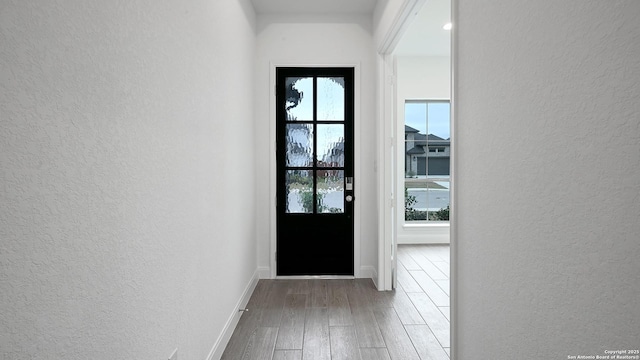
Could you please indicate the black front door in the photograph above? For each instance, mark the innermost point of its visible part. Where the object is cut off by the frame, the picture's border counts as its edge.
(314, 157)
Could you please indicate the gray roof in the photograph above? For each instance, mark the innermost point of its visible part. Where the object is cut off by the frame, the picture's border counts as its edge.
(421, 139)
(416, 150)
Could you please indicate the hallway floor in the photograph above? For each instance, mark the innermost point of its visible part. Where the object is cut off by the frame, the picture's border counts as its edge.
(350, 319)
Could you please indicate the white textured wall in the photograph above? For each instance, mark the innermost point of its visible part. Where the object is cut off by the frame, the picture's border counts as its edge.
(548, 178)
(422, 78)
(126, 213)
(318, 40)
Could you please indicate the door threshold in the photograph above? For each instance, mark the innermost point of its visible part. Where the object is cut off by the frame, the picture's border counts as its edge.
(316, 277)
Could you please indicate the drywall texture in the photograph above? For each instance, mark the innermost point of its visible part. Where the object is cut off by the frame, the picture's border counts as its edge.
(423, 78)
(548, 178)
(126, 212)
(316, 40)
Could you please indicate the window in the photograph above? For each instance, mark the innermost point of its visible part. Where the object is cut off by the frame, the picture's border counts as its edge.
(427, 158)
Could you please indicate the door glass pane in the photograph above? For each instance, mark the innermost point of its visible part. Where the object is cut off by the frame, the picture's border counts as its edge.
(330, 145)
(330, 191)
(299, 102)
(330, 98)
(299, 145)
(299, 191)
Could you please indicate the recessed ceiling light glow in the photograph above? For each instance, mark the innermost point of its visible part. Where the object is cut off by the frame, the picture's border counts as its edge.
(447, 26)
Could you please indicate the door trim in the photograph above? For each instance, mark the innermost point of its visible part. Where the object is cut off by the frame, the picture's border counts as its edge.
(357, 271)
(385, 243)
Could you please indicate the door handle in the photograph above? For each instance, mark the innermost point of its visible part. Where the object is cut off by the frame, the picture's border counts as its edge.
(349, 198)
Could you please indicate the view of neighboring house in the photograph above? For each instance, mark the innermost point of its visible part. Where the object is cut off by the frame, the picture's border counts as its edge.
(422, 151)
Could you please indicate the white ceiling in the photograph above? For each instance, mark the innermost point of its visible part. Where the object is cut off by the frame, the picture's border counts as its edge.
(314, 6)
(425, 35)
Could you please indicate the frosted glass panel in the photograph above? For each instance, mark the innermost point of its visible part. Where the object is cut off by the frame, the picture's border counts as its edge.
(330, 191)
(299, 189)
(299, 102)
(330, 145)
(299, 145)
(330, 98)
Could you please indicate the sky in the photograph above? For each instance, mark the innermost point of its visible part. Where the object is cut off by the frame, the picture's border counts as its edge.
(437, 113)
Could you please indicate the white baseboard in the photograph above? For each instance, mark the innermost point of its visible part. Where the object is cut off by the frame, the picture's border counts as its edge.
(234, 317)
(264, 272)
(421, 240)
(416, 234)
(367, 272)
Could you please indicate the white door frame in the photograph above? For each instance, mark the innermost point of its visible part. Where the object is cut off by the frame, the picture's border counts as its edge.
(385, 126)
(387, 244)
(386, 165)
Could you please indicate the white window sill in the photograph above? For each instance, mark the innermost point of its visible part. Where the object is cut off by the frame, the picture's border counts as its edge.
(426, 225)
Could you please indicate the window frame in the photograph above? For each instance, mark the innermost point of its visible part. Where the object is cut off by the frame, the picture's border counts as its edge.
(412, 225)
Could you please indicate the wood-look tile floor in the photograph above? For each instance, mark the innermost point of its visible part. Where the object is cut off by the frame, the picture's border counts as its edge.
(350, 319)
